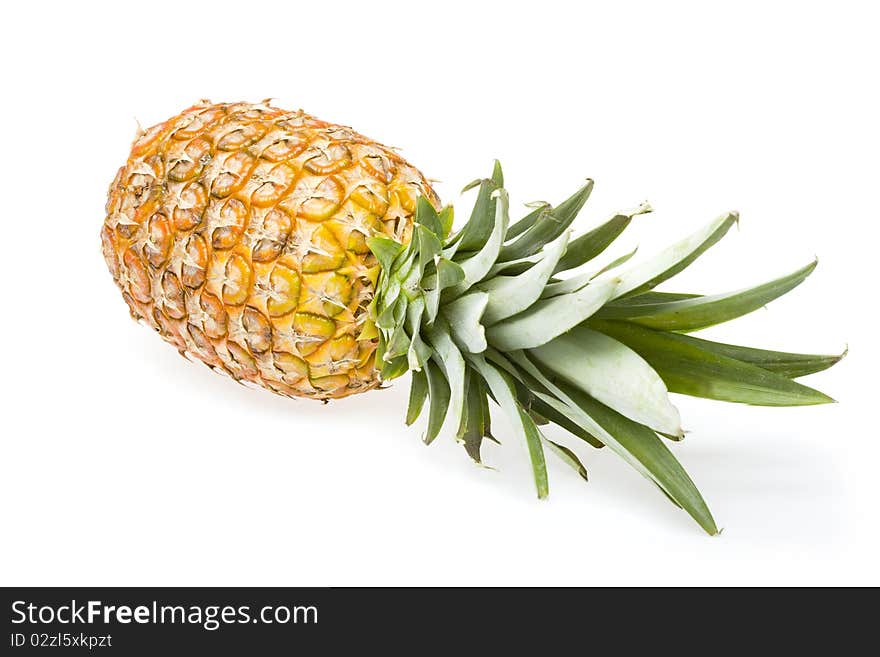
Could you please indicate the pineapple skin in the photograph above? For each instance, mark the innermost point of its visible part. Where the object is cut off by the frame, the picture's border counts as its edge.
(238, 232)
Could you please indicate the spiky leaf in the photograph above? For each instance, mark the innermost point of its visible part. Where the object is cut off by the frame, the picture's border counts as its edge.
(569, 458)
(675, 258)
(614, 374)
(418, 392)
(591, 244)
(438, 395)
(635, 443)
(688, 369)
(503, 391)
(550, 318)
(784, 363)
(464, 316)
(548, 226)
(478, 265)
(704, 311)
(510, 295)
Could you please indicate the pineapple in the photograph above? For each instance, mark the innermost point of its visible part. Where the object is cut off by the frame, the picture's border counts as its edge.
(305, 258)
(239, 233)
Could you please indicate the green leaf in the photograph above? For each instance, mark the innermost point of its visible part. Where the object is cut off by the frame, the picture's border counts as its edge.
(389, 295)
(552, 402)
(616, 263)
(418, 352)
(568, 457)
(549, 318)
(509, 295)
(575, 283)
(539, 419)
(447, 217)
(652, 296)
(484, 402)
(405, 260)
(548, 226)
(447, 355)
(503, 391)
(567, 211)
(536, 453)
(438, 397)
(426, 216)
(694, 314)
(398, 344)
(787, 364)
(473, 183)
(410, 285)
(418, 392)
(691, 370)
(385, 250)
(414, 313)
(647, 453)
(478, 265)
(567, 286)
(675, 258)
(468, 389)
(432, 303)
(612, 373)
(528, 221)
(526, 385)
(400, 310)
(591, 244)
(448, 274)
(565, 421)
(514, 267)
(633, 442)
(463, 316)
(497, 175)
(429, 247)
(394, 368)
(472, 429)
(479, 226)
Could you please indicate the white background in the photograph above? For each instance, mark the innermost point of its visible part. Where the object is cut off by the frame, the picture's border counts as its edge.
(122, 464)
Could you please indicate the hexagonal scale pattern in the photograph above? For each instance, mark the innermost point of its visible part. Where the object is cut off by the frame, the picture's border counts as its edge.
(238, 232)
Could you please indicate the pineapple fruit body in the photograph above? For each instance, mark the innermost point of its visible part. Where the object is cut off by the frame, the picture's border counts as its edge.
(239, 233)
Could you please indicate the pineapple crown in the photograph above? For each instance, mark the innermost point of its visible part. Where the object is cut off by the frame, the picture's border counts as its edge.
(484, 312)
